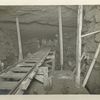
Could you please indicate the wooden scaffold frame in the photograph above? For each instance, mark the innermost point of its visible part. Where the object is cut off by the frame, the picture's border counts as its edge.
(79, 56)
(78, 50)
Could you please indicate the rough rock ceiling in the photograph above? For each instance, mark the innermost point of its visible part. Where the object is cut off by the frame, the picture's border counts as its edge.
(36, 20)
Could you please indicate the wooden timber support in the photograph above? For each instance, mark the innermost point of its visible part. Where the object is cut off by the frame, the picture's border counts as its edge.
(91, 66)
(60, 37)
(53, 62)
(19, 40)
(78, 44)
(92, 33)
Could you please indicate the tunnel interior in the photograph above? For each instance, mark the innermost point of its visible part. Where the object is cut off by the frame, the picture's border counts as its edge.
(39, 27)
(38, 23)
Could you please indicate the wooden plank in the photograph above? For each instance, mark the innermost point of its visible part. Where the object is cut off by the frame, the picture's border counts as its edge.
(91, 66)
(53, 63)
(21, 69)
(30, 76)
(11, 75)
(19, 40)
(31, 61)
(24, 85)
(26, 64)
(4, 85)
(40, 78)
(60, 37)
(41, 70)
(91, 33)
(42, 74)
(78, 44)
(45, 79)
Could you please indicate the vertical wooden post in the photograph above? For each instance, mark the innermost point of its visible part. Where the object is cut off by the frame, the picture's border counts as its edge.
(78, 44)
(19, 39)
(60, 37)
(53, 62)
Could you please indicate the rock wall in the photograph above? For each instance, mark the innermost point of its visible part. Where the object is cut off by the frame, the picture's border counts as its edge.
(7, 51)
(91, 24)
(41, 22)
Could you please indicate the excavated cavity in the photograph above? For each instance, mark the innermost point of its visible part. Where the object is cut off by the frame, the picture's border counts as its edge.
(40, 23)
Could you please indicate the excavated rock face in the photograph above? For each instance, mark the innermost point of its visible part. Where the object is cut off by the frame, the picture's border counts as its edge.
(41, 22)
(91, 24)
(7, 50)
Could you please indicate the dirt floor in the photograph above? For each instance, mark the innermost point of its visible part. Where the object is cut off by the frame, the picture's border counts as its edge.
(61, 83)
